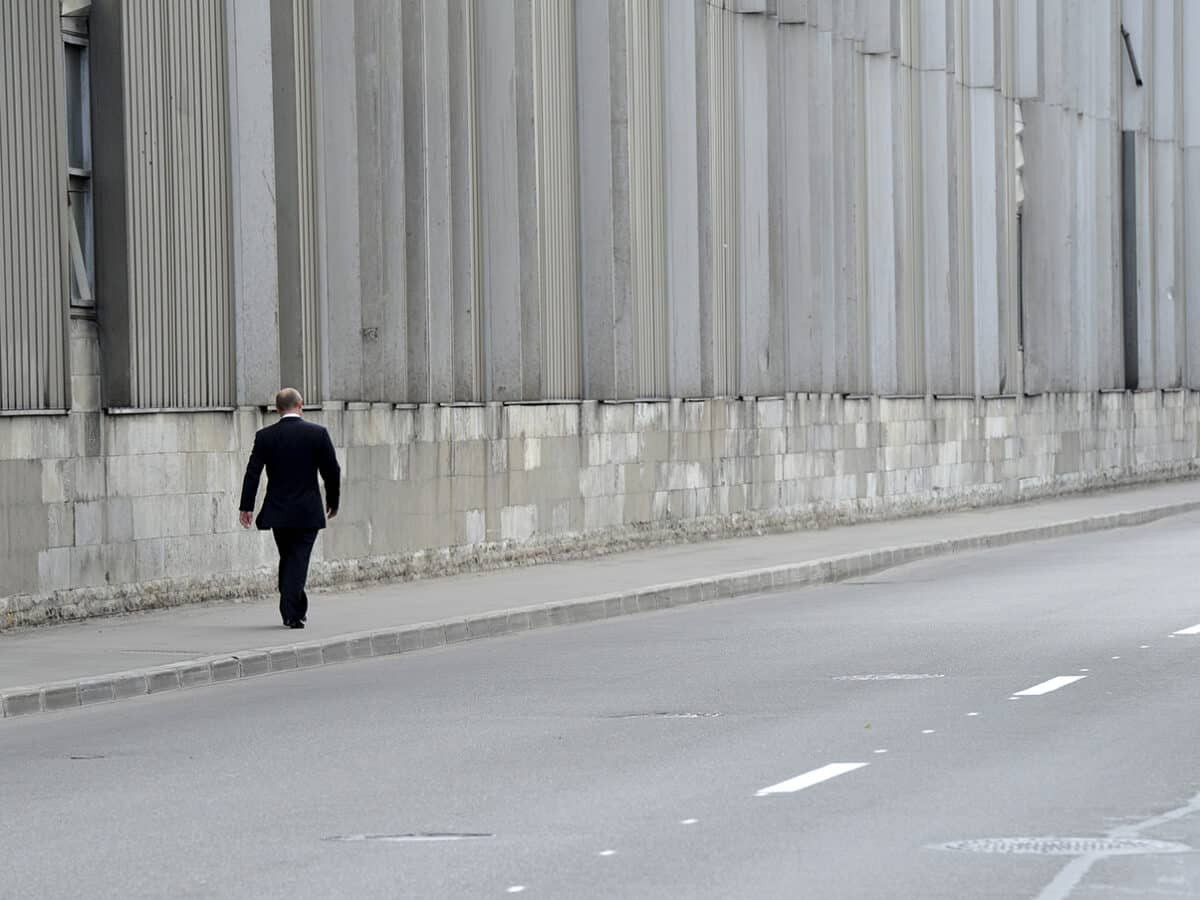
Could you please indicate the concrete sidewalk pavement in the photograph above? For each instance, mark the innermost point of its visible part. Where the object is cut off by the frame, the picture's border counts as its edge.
(102, 660)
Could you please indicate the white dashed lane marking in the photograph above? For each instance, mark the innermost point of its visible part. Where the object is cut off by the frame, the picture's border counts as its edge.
(808, 779)
(1047, 686)
(1195, 629)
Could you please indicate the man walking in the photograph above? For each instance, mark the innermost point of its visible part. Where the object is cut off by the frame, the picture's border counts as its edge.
(293, 451)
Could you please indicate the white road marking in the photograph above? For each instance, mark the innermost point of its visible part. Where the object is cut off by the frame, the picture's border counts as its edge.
(607, 853)
(1047, 686)
(1085, 670)
(1144, 647)
(972, 714)
(515, 889)
(688, 821)
(808, 779)
(1195, 629)
(928, 731)
(1064, 884)
(1116, 657)
(881, 751)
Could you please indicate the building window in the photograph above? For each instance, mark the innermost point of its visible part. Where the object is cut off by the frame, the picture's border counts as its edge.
(79, 163)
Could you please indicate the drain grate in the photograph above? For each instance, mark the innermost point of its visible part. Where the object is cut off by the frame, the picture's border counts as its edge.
(665, 715)
(890, 676)
(409, 837)
(1066, 846)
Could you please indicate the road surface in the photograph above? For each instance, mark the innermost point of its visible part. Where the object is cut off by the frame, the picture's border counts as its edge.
(1019, 723)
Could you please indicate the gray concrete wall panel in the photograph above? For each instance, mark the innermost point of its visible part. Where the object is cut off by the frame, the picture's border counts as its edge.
(533, 312)
(253, 180)
(938, 290)
(801, 286)
(1191, 190)
(724, 209)
(295, 193)
(176, 145)
(983, 241)
(597, 126)
(430, 252)
(499, 217)
(524, 199)
(647, 194)
(881, 235)
(33, 209)
(682, 185)
(383, 194)
(557, 196)
(849, 223)
(335, 51)
(464, 211)
(909, 248)
(752, 150)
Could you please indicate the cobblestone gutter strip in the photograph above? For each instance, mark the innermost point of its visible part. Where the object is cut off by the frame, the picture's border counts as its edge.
(402, 639)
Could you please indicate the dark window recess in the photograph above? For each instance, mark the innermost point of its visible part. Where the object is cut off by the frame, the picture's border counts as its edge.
(80, 235)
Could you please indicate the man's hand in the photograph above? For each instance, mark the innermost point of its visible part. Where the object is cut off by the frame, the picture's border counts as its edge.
(247, 518)
(330, 513)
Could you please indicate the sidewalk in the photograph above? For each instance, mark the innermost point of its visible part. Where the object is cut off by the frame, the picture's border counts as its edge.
(103, 660)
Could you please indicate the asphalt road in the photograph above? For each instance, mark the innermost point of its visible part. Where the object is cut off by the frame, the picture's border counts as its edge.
(742, 749)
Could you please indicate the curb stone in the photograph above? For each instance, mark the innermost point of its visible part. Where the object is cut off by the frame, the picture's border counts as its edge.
(93, 690)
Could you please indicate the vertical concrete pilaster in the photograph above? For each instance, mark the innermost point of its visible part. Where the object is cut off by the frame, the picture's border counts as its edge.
(606, 319)
(753, 204)
(252, 175)
(499, 216)
(1190, 87)
(383, 189)
(682, 184)
(428, 207)
(800, 189)
(464, 188)
(335, 50)
(880, 231)
(848, 221)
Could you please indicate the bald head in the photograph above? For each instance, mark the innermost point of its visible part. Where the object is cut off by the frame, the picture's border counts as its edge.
(288, 400)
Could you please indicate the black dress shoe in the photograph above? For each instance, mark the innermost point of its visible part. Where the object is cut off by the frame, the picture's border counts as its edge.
(295, 623)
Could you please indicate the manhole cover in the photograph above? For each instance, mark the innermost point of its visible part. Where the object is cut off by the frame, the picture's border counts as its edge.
(1067, 846)
(413, 837)
(889, 676)
(665, 715)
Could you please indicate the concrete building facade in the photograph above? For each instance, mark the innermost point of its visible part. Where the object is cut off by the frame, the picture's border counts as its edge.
(569, 275)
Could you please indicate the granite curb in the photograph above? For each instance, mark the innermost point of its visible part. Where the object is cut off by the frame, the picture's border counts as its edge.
(229, 667)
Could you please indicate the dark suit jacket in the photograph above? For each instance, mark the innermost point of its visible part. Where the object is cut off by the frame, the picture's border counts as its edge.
(293, 451)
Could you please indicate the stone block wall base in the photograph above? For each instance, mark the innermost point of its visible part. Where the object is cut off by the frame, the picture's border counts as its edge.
(148, 519)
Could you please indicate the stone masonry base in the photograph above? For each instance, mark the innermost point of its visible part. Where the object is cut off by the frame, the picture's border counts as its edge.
(106, 513)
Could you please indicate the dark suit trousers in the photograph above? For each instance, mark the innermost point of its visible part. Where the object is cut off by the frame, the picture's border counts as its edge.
(295, 547)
